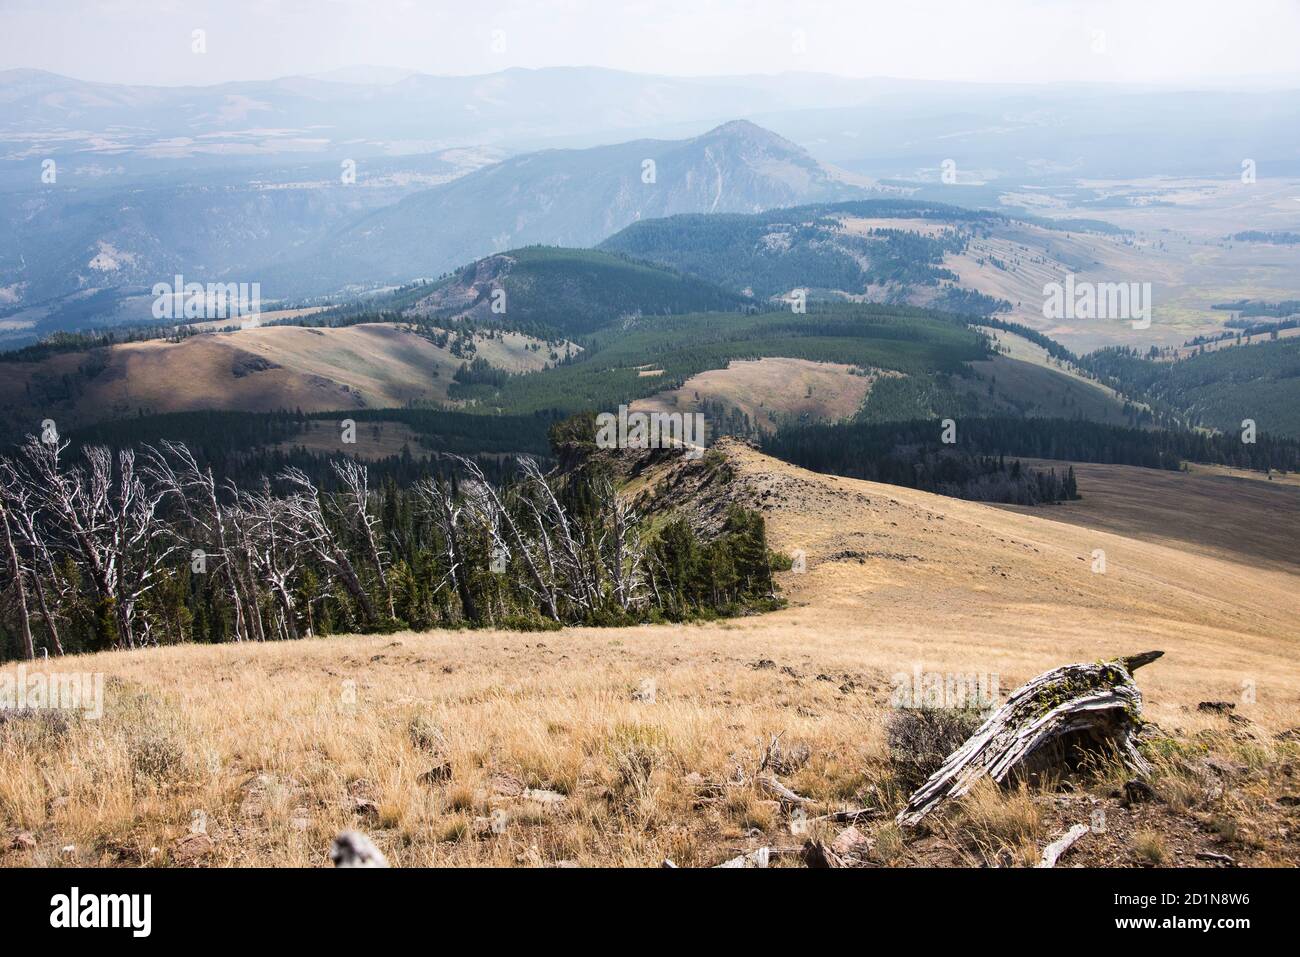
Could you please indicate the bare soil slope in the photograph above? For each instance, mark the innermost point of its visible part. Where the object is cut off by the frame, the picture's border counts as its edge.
(373, 365)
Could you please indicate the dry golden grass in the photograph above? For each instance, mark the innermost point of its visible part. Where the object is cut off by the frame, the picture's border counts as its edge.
(770, 391)
(553, 758)
(371, 365)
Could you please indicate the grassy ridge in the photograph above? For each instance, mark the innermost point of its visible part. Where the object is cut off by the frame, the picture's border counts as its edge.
(913, 341)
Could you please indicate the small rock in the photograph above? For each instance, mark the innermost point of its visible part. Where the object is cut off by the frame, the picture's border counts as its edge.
(23, 841)
(1216, 858)
(191, 848)
(507, 785)
(1216, 707)
(851, 843)
(438, 774)
(365, 808)
(1138, 791)
(763, 664)
(354, 849)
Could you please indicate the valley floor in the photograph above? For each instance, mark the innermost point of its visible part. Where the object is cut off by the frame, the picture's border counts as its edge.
(625, 746)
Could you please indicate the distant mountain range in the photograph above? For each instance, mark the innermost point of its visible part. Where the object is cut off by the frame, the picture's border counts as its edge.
(69, 256)
(571, 198)
(875, 126)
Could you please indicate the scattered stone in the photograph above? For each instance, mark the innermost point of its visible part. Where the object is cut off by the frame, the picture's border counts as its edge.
(364, 807)
(506, 785)
(758, 858)
(1137, 791)
(1214, 858)
(362, 788)
(354, 849)
(1289, 800)
(190, 848)
(763, 664)
(438, 774)
(544, 797)
(851, 843)
(1216, 707)
(23, 841)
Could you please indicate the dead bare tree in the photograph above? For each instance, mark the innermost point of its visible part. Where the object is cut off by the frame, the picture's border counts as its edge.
(271, 547)
(312, 531)
(438, 502)
(140, 543)
(25, 515)
(352, 508)
(505, 530)
(626, 551)
(569, 549)
(77, 501)
(195, 492)
(16, 575)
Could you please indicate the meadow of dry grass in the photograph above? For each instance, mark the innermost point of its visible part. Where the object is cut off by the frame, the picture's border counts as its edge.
(370, 365)
(771, 391)
(631, 745)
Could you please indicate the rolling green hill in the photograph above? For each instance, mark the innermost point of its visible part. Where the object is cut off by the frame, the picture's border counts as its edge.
(653, 354)
(845, 247)
(554, 292)
(1215, 389)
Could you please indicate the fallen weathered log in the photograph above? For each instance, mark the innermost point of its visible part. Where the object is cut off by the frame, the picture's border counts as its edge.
(1044, 725)
(781, 792)
(1053, 852)
(846, 817)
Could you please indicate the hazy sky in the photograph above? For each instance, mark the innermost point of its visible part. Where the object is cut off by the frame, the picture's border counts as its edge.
(1187, 42)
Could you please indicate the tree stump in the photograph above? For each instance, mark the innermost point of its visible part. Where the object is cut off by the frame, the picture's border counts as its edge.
(1045, 724)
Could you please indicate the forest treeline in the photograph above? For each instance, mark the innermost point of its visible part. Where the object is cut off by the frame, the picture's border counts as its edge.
(981, 464)
(1217, 389)
(914, 455)
(146, 546)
